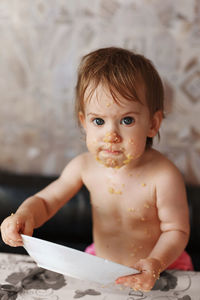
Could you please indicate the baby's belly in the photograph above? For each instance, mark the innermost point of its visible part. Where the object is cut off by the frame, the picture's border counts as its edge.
(125, 243)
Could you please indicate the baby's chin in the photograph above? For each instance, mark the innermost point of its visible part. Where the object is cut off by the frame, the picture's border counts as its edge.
(112, 162)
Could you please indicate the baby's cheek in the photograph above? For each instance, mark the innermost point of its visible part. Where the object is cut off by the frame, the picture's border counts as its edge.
(136, 148)
(91, 143)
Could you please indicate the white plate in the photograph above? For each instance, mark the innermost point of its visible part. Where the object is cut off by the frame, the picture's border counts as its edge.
(72, 262)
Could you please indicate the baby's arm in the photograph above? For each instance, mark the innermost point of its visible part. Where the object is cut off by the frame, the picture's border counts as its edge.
(36, 210)
(174, 224)
(173, 214)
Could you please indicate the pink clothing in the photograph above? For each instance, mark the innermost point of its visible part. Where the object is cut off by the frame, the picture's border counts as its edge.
(183, 262)
(90, 249)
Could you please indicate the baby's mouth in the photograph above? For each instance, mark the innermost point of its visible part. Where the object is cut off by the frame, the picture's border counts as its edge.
(111, 151)
(113, 158)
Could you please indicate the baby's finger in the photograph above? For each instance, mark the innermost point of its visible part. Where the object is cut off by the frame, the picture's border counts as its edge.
(14, 243)
(128, 280)
(136, 283)
(10, 241)
(28, 229)
(10, 231)
(13, 230)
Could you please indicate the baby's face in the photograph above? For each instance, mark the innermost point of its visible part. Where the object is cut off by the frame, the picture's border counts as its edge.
(115, 132)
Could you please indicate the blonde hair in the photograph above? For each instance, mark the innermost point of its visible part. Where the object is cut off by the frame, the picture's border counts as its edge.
(122, 71)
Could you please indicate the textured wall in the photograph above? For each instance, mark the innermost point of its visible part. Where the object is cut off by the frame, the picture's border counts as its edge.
(41, 43)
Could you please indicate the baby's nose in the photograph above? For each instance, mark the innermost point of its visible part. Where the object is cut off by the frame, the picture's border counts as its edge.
(112, 137)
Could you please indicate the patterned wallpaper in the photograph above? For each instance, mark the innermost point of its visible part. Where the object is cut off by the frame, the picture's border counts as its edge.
(41, 43)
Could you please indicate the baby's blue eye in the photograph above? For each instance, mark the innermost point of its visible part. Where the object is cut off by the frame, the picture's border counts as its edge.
(127, 121)
(98, 121)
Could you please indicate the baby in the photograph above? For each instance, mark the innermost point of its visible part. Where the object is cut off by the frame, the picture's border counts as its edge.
(138, 198)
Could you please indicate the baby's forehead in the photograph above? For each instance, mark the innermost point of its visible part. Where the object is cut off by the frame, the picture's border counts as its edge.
(107, 106)
(103, 93)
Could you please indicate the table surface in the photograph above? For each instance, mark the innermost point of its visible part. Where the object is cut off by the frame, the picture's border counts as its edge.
(180, 285)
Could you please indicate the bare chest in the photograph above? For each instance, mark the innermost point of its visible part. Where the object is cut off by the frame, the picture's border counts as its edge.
(122, 199)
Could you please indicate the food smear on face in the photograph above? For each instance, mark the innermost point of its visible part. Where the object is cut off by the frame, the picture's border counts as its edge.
(99, 160)
(128, 160)
(109, 162)
(113, 159)
(106, 138)
(111, 137)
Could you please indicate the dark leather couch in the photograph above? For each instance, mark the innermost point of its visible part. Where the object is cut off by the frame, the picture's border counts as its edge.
(72, 225)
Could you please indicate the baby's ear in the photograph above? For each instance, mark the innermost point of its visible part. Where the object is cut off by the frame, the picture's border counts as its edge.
(155, 123)
(82, 118)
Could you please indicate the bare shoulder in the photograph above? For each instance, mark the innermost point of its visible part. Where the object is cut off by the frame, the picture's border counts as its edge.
(87, 157)
(165, 168)
(77, 164)
(85, 160)
(168, 180)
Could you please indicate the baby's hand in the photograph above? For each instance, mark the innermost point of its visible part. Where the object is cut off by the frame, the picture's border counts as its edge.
(13, 226)
(150, 269)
